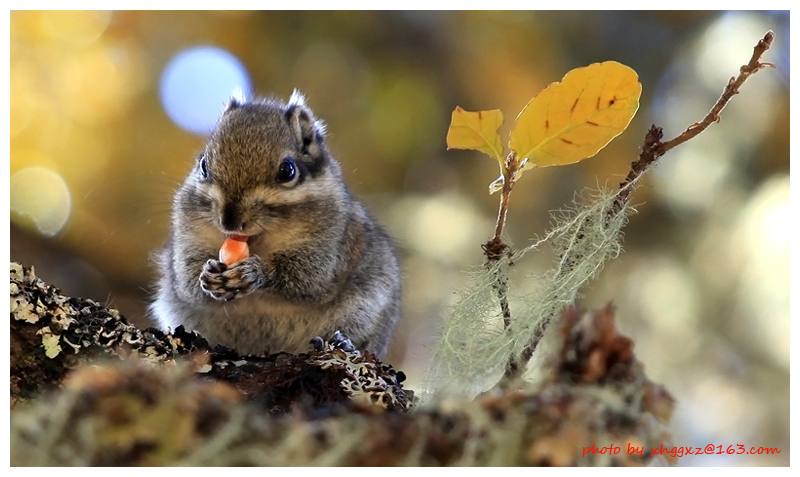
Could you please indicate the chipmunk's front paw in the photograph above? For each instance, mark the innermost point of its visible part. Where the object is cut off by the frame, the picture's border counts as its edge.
(337, 341)
(225, 283)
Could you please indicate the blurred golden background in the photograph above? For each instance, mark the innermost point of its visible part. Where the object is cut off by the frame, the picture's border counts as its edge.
(703, 284)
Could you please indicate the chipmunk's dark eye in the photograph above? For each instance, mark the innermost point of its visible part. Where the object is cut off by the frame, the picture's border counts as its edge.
(287, 171)
(203, 166)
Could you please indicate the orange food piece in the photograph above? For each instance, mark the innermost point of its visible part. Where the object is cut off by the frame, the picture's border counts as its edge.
(234, 250)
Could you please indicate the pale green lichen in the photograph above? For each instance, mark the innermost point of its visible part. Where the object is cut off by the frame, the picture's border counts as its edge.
(50, 342)
(474, 347)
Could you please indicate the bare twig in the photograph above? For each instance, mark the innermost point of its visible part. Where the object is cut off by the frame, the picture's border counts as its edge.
(495, 248)
(654, 148)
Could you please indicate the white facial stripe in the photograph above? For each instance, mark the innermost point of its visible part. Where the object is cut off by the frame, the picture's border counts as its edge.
(309, 189)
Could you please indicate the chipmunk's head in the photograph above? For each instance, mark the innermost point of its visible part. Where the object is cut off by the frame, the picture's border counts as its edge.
(265, 168)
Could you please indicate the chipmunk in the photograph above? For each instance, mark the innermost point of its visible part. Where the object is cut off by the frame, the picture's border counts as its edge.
(319, 262)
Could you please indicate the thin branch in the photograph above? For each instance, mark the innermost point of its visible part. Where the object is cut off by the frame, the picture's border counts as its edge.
(495, 249)
(654, 148)
(728, 93)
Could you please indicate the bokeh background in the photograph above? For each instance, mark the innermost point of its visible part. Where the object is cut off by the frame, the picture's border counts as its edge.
(108, 110)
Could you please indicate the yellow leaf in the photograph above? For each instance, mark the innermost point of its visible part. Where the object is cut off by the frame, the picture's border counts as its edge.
(572, 120)
(476, 130)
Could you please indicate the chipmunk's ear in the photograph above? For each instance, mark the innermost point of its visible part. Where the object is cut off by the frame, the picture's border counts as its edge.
(233, 103)
(308, 130)
(237, 99)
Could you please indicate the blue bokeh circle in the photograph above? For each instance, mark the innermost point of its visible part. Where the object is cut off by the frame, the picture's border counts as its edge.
(197, 83)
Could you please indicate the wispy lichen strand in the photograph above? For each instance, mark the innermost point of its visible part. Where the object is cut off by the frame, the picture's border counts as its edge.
(474, 347)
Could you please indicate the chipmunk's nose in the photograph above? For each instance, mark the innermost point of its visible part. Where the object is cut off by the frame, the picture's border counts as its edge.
(232, 219)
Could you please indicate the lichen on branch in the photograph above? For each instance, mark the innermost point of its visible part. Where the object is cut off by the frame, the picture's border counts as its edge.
(52, 334)
(482, 338)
